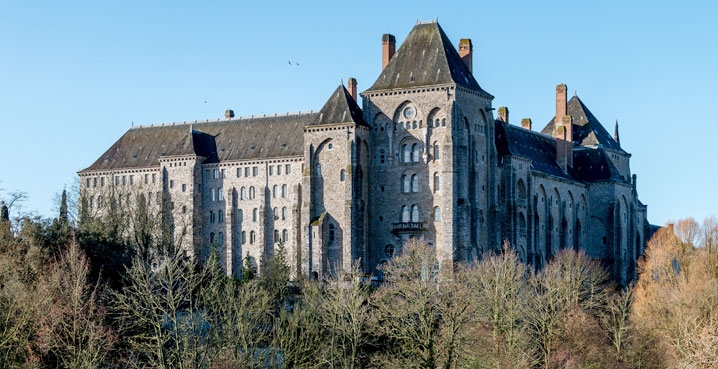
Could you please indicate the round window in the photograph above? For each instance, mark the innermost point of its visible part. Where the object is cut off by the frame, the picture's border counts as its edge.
(409, 112)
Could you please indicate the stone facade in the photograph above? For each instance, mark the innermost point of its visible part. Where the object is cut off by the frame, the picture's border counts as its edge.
(423, 156)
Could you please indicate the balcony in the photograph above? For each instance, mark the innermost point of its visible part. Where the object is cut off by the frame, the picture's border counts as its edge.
(407, 227)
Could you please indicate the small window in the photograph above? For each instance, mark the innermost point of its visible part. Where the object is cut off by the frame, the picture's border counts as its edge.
(285, 235)
(342, 175)
(184, 187)
(239, 172)
(414, 213)
(255, 171)
(246, 172)
(154, 177)
(330, 146)
(271, 170)
(102, 181)
(414, 183)
(252, 237)
(147, 178)
(220, 216)
(132, 179)
(405, 215)
(221, 239)
(172, 183)
(415, 153)
(279, 170)
(124, 180)
(276, 213)
(240, 215)
(244, 237)
(406, 151)
(251, 192)
(215, 172)
(437, 214)
(211, 217)
(284, 213)
(275, 191)
(436, 152)
(284, 190)
(223, 174)
(220, 194)
(255, 214)
(405, 183)
(288, 169)
(243, 193)
(276, 235)
(213, 194)
(184, 209)
(436, 182)
(88, 183)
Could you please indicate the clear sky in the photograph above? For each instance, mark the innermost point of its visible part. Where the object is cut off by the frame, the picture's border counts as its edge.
(75, 75)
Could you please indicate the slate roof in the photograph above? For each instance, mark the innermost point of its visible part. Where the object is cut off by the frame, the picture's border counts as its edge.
(340, 108)
(234, 139)
(226, 140)
(592, 165)
(587, 130)
(539, 148)
(426, 57)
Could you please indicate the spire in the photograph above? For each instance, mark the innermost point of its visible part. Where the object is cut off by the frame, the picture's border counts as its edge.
(615, 135)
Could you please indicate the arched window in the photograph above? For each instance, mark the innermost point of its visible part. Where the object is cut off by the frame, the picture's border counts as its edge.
(251, 193)
(255, 214)
(276, 235)
(285, 235)
(331, 233)
(436, 151)
(284, 212)
(415, 153)
(405, 184)
(521, 189)
(243, 193)
(437, 214)
(406, 153)
(414, 183)
(414, 213)
(240, 215)
(99, 201)
(342, 175)
(213, 194)
(319, 170)
(276, 213)
(284, 190)
(436, 182)
(211, 238)
(220, 194)
(405, 215)
(220, 216)
(211, 216)
(221, 239)
(275, 191)
(244, 237)
(252, 237)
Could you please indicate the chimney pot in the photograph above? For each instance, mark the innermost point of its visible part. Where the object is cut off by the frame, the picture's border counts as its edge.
(229, 113)
(466, 51)
(526, 123)
(388, 48)
(352, 87)
(504, 114)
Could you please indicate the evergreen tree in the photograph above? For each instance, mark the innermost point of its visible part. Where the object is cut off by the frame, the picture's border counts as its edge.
(63, 208)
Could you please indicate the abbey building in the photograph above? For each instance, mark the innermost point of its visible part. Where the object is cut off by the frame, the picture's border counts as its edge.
(421, 153)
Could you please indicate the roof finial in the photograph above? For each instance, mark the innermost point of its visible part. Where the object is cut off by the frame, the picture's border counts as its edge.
(342, 81)
(574, 93)
(417, 20)
(615, 135)
(436, 19)
(133, 123)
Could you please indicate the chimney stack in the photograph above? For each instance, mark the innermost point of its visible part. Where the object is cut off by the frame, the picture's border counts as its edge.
(526, 123)
(229, 114)
(504, 114)
(564, 143)
(388, 48)
(352, 87)
(465, 52)
(560, 103)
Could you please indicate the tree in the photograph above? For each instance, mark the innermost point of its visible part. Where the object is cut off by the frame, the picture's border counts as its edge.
(63, 208)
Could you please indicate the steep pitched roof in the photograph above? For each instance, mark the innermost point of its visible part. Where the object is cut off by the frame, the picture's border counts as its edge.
(587, 130)
(539, 148)
(235, 139)
(426, 57)
(592, 165)
(340, 108)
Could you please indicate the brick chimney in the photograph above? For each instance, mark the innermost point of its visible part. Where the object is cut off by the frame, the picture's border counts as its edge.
(526, 123)
(564, 144)
(560, 103)
(229, 114)
(388, 48)
(352, 87)
(465, 52)
(504, 114)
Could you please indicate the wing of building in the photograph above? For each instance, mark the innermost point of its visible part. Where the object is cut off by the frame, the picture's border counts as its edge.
(422, 157)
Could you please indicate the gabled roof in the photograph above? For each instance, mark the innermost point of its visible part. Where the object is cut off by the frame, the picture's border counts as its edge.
(340, 108)
(593, 165)
(426, 57)
(234, 139)
(587, 130)
(539, 148)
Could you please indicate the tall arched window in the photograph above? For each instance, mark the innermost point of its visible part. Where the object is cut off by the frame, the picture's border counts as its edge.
(414, 213)
(342, 175)
(275, 191)
(284, 190)
(405, 215)
(414, 183)
(415, 153)
(405, 184)
(211, 216)
(406, 153)
(436, 151)
(243, 193)
(436, 182)
(252, 237)
(255, 214)
(221, 239)
(276, 235)
(240, 215)
(276, 213)
(244, 237)
(213, 194)
(285, 235)
(220, 216)
(251, 193)
(284, 212)
(437, 214)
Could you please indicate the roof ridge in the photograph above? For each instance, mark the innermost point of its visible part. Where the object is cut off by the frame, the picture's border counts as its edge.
(206, 121)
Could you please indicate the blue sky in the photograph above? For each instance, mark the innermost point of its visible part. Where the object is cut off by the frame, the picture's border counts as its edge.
(75, 75)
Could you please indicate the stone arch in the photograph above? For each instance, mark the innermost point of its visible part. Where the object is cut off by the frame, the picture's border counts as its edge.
(381, 122)
(399, 117)
(410, 149)
(435, 116)
(521, 189)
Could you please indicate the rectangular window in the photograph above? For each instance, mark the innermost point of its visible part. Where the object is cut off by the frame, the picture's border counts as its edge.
(154, 177)
(216, 173)
(279, 170)
(147, 178)
(246, 172)
(288, 169)
(124, 180)
(117, 180)
(184, 187)
(94, 182)
(271, 170)
(102, 181)
(88, 183)
(172, 183)
(206, 174)
(239, 172)
(132, 179)
(223, 174)
(255, 171)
